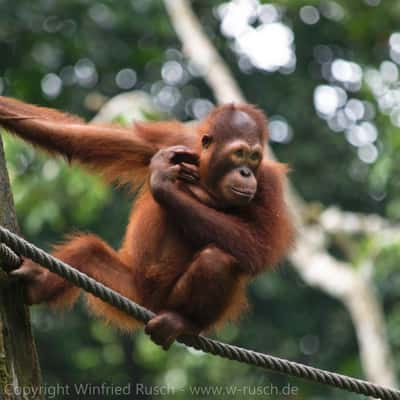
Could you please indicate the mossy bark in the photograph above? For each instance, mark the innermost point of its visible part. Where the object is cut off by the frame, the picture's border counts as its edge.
(19, 368)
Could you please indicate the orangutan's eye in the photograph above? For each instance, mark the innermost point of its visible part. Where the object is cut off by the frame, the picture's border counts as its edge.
(239, 153)
(255, 156)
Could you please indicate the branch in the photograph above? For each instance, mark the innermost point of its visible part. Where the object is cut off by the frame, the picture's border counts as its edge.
(334, 220)
(129, 105)
(202, 53)
(310, 258)
(340, 280)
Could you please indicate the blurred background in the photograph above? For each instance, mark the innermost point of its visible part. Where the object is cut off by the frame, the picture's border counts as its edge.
(326, 73)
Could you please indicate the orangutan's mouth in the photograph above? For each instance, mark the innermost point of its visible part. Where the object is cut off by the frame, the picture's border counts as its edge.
(242, 192)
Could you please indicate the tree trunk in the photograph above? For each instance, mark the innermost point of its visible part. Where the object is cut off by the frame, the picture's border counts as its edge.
(19, 368)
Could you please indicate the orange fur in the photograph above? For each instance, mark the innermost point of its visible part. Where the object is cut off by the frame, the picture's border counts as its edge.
(179, 254)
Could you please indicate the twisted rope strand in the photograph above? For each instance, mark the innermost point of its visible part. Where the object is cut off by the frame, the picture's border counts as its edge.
(275, 364)
(8, 259)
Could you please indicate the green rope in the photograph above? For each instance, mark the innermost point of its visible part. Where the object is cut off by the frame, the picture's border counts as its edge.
(26, 249)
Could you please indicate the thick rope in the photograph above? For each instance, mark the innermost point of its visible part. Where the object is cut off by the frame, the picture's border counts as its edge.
(26, 249)
(8, 259)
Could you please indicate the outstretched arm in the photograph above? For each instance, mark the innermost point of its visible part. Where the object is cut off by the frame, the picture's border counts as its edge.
(117, 152)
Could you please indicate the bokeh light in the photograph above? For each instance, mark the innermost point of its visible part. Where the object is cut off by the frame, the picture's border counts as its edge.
(86, 73)
(347, 72)
(47, 55)
(368, 153)
(309, 15)
(394, 45)
(389, 71)
(172, 72)
(201, 107)
(258, 35)
(361, 134)
(279, 130)
(102, 15)
(126, 78)
(332, 10)
(51, 85)
(327, 99)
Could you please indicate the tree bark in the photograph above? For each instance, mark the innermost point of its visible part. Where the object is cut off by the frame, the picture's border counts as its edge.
(20, 376)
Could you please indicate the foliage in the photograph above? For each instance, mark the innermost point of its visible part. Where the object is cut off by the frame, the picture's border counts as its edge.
(74, 54)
